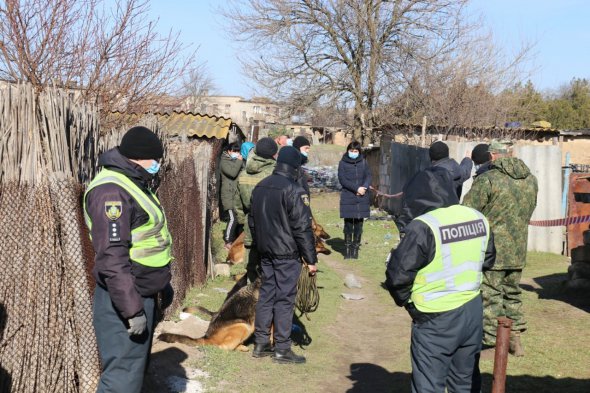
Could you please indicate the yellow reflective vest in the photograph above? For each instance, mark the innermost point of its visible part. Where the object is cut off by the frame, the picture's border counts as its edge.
(151, 243)
(454, 276)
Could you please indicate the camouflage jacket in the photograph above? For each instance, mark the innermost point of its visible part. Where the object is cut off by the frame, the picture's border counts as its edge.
(257, 168)
(507, 195)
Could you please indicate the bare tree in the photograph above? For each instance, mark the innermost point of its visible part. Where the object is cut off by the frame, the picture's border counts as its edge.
(196, 85)
(110, 53)
(348, 49)
(462, 88)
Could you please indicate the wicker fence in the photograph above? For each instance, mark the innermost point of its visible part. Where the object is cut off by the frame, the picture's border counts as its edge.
(49, 148)
(47, 343)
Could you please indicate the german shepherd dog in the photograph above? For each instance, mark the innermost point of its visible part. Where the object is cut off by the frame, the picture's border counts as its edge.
(237, 251)
(231, 326)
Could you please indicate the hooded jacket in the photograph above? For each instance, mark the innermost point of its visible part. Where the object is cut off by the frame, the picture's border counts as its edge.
(257, 168)
(429, 190)
(459, 172)
(230, 169)
(125, 280)
(353, 174)
(280, 220)
(507, 195)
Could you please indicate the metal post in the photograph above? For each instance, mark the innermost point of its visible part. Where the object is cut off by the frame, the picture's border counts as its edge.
(423, 141)
(566, 183)
(501, 355)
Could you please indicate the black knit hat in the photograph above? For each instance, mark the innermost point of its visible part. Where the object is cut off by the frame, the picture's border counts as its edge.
(266, 147)
(438, 150)
(481, 154)
(290, 156)
(300, 141)
(140, 143)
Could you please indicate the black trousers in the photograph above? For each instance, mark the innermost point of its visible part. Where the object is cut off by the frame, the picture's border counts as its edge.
(124, 357)
(354, 226)
(445, 351)
(276, 301)
(231, 230)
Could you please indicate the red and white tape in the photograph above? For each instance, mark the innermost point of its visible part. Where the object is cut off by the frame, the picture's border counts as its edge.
(560, 221)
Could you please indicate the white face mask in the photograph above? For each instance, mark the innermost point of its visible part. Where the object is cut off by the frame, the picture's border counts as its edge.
(289, 142)
(353, 156)
(233, 155)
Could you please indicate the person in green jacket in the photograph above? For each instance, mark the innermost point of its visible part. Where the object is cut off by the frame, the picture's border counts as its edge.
(231, 165)
(260, 164)
(507, 195)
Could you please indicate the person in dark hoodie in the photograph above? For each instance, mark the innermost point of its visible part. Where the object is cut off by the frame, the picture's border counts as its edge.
(355, 177)
(435, 273)
(439, 156)
(132, 248)
(280, 223)
(507, 195)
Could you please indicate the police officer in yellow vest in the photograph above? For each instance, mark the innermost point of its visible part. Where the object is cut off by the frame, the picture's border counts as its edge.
(435, 273)
(132, 248)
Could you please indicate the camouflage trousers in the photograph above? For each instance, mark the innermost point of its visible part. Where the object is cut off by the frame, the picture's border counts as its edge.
(501, 298)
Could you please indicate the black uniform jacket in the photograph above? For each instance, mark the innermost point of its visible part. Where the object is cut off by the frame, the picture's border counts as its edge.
(125, 280)
(280, 218)
(431, 189)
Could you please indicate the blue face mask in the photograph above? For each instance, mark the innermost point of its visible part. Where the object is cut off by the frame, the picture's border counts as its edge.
(304, 153)
(234, 156)
(289, 142)
(353, 156)
(154, 168)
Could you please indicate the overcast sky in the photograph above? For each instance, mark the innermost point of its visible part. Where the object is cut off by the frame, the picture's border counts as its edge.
(559, 28)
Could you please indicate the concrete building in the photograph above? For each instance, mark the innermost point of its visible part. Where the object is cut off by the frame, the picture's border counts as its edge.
(245, 113)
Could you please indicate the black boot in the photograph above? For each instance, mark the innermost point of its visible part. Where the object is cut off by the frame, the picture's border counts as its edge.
(262, 350)
(356, 244)
(348, 244)
(287, 356)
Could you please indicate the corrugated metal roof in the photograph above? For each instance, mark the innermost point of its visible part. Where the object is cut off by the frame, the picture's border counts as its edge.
(189, 124)
(487, 128)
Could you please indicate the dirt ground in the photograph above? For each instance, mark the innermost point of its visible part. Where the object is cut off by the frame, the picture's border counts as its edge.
(363, 345)
(357, 362)
(367, 335)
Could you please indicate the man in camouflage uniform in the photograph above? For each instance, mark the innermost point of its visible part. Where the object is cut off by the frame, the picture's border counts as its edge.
(260, 164)
(507, 195)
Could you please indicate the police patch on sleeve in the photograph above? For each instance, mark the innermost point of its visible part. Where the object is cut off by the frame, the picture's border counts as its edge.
(305, 199)
(114, 232)
(113, 209)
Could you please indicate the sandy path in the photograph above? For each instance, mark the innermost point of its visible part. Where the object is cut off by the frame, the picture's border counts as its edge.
(372, 338)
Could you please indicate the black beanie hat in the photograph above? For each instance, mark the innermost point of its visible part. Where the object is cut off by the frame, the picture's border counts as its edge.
(438, 150)
(480, 154)
(140, 143)
(290, 156)
(300, 141)
(266, 147)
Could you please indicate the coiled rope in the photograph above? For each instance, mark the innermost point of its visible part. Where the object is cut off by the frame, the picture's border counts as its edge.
(308, 296)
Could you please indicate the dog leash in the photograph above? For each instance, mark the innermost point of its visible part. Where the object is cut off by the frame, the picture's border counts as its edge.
(308, 296)
(384, 195)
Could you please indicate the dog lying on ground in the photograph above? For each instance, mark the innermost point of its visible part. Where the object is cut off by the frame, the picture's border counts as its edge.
(231, 326)
(237, 251)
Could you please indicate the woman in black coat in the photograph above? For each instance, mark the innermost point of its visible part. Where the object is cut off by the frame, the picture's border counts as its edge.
(355, 177)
